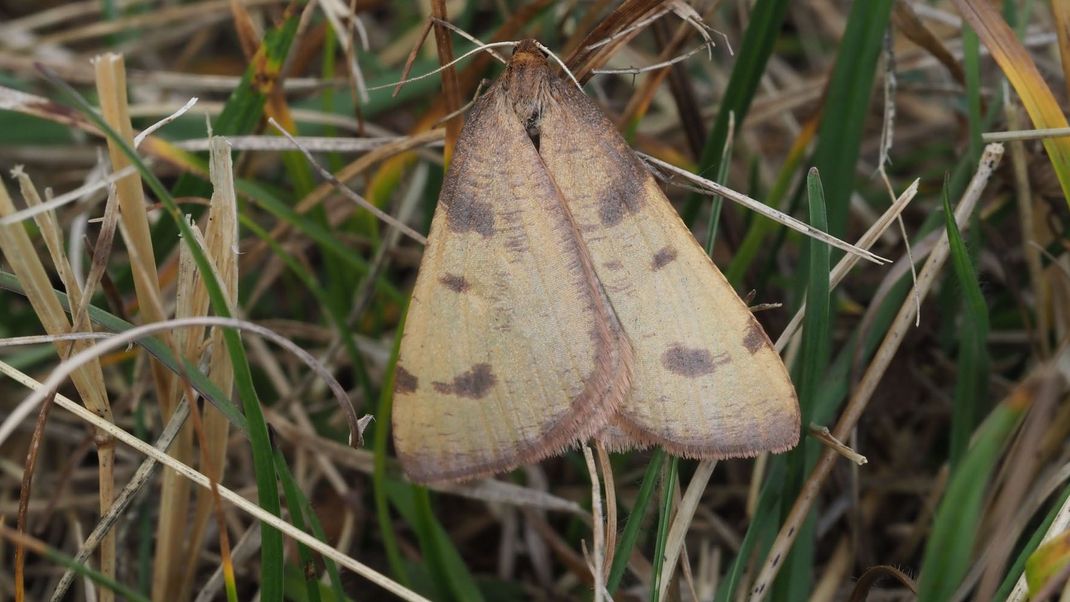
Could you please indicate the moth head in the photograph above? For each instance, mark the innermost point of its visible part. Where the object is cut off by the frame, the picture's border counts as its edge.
(525, 86)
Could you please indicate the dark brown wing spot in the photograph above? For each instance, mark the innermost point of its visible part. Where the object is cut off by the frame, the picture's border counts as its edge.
(464, 214)
(663, 258)
(617, 202)
(614, 265)
(691, 363)
(475, 383)
(455, 283)
(404, 381)
(755, 339)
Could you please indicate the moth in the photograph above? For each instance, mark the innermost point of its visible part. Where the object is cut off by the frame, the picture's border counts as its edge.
(561, 298)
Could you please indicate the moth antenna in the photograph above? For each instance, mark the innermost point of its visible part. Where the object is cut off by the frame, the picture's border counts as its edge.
(638, 70)
(330, 177)
(634, 26)
(475, 97)
(557, 60)
(464, 34)
(483, 48)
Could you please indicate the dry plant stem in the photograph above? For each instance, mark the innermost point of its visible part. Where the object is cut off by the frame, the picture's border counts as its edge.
(118, 341)
(822, 434)
(347, 173)
(883, 357)
(111, 87)
(598, 564)
(316, 144)
(25, 486)
(451, 90)
(1020, 593)
(1018, 472)
(59, 375)
(141, 477)
(330, 177)
(697, 485)
(464, 34)
(88, 380)
(844, 265)
(407, 68)
(681, 522)
(221, 243)
(67, 197)
(1024, 197)
(711, 187)
(611, 505)
(248, 544)
(1022, 135)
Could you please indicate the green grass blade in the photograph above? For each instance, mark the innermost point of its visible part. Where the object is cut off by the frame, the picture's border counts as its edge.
(795, 578)
(949, 549)
(297, 519)
(442, 558)
(381, 435)
(846, 109)
(630, 534)
(763, 29)
(664, 520)
(970, 388)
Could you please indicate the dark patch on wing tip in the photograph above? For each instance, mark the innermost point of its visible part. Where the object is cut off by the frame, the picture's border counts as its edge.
(614, 265)
(468, 215)
(691, 363)
(455, 283)
(404, 381)
(663, 257)
(474, 384)
(754, 339)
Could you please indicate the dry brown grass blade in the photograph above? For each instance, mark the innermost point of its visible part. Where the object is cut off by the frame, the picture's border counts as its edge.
(873, 374)
(1023, 461)
(908, 23)
(450, 85)
(584, 59)
(110, 71)
(640, 101)
(358, 166)
(221, 244)
(248, 34)
(233, 497)
(162, 17)
(142, 476)
(1060, 14)
(88, 379)
(1015, 62)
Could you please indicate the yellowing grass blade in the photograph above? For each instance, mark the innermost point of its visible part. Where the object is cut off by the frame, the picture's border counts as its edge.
(1019, 68)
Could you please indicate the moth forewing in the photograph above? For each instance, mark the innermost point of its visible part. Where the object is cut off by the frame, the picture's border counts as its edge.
(510, 352)
(708, 382)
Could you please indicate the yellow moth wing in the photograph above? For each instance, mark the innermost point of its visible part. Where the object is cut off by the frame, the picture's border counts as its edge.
(707, 382)
(510, 352)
